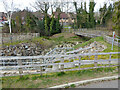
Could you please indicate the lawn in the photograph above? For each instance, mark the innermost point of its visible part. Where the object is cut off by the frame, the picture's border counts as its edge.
(52, 79)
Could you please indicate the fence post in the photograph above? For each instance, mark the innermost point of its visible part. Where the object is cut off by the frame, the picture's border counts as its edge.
(41, 61)
(20, 69)
(95, 62)
(62, 65)
(109, 60)
(79, 62)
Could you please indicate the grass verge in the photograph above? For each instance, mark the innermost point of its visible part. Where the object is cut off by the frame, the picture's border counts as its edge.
(53, 79)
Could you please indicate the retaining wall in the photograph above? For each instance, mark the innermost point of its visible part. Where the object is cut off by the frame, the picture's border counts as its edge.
(6, 37)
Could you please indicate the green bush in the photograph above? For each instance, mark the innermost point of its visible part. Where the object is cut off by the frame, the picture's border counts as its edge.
(34, 78)
(60, 73)
(72, 86)
(23, 78)
(67, 86)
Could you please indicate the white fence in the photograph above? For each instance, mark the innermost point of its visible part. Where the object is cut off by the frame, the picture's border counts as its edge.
(110, 39)
(22, 65)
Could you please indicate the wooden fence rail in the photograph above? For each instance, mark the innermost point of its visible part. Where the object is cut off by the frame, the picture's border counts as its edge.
(22, 65)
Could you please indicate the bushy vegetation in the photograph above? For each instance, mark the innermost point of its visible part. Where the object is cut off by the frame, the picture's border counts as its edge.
(91, 19)
(53, 28)
(31, 24)
(116, 17)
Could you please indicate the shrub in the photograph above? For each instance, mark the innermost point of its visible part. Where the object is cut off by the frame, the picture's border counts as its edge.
(67, 86)
(72, 85)
(23, 78)
(60, 73)
(34, 78)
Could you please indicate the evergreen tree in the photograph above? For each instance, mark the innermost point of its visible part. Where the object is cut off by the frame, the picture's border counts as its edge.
(30, 23)
(77, 16)
(58, 24)
(106, 14)
(116, 17)
(91, 14)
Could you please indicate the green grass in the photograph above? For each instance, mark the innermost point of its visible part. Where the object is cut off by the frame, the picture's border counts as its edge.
(61, 38)
(101, 40)
(88, 42)
(41, 40)
(52, 79)
(51, 41)
(0, 28)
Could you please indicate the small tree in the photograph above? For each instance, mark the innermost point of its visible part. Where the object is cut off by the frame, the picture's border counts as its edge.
(9, 9)
(52, 22)
(91, 14)
(44, 6)
(30, 22)
(116, 17)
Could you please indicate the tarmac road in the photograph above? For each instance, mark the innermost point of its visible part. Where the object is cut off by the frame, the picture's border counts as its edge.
(103, 84)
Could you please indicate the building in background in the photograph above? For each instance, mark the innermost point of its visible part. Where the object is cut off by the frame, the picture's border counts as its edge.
(65, 18)
(3, 18)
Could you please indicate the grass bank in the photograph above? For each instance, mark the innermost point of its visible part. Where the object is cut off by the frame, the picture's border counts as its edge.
(53, 40)
(101, 40)
(52, 79)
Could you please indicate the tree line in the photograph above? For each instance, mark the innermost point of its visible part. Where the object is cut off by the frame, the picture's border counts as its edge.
(46, 27)
(108, 16)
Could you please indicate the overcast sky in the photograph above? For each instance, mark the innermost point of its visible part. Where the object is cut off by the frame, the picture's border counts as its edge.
(21, 4)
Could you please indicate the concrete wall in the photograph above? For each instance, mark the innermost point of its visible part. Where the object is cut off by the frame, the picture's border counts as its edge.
(6, 37)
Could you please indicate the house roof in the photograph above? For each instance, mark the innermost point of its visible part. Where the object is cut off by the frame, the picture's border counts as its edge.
(62, 15)
(71, 15)
(39, 15)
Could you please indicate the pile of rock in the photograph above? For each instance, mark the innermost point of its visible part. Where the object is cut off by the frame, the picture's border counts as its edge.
(30, 49)
(68, 44)
(23, 49)
(94, 47)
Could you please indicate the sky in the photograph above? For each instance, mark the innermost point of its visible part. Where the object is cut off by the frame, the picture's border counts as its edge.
(21, 4)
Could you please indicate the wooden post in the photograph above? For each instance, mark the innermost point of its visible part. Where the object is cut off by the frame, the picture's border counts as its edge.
(109, 60)
(62, 65)
(41, 61)
(89, 57)
(79, 62)
(20, 69)
(96, 56)
(95, 63)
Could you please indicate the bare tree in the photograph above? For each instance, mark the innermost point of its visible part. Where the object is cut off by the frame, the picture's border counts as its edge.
(9, 9)
(43, 6)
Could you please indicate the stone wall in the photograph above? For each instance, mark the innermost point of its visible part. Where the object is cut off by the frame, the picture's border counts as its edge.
(6, 37)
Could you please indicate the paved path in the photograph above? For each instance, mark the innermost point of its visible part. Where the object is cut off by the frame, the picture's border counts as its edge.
(103, 84)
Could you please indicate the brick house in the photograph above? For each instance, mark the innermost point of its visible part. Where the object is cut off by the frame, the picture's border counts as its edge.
(65, 18)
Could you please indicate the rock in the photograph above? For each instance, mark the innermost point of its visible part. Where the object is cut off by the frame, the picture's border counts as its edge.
(69, 65)
(55, 67)
(26, 47)
(48, 69)
(19, 54)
